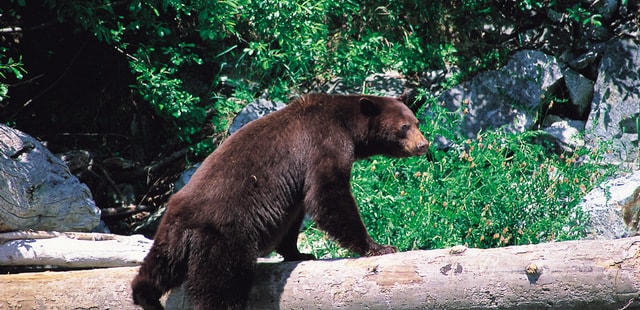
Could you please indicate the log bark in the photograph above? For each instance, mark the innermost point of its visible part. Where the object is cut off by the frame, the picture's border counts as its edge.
(71, 249)
(593, 274)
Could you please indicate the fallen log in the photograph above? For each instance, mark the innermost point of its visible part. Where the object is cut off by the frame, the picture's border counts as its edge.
(71, 249)
(593, 274)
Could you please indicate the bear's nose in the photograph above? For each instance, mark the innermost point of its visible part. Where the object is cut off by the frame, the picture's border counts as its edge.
(422, 146)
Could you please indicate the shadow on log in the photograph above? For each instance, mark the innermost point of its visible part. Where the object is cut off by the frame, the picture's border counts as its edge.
(593, 274)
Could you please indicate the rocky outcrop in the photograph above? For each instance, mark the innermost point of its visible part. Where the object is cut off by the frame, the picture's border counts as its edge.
(520, 97)
(580, 91)
(527, 93)
(581, 86)
(615, 109)
(37, 191)
(566, 132)
(508, 98)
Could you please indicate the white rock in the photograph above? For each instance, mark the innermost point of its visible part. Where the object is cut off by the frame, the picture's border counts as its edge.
(605, 205)
(566, 131)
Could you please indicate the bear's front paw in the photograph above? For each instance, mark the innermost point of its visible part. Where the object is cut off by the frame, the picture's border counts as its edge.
(381, 250)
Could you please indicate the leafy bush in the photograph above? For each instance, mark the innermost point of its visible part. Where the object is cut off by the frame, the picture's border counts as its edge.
(496, 190)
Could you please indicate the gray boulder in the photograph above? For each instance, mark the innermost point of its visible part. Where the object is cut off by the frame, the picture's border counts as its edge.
(580, 91)
(253, 111)
(185, 177)
(37, 191)
(584, 60)
(613, 208)
(566, 132)
(510, 96)
(615, 107)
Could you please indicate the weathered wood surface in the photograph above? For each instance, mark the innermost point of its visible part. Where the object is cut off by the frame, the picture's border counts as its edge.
(37, 190)
(594, 274)
(71, 249)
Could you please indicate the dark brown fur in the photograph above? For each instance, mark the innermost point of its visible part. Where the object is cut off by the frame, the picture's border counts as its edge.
(249, 197)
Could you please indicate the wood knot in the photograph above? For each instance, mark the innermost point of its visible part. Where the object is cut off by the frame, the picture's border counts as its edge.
(532, 269)
(458, 249)
(533, 272)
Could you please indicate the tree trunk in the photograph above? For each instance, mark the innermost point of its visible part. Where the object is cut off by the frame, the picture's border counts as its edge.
(594, 274)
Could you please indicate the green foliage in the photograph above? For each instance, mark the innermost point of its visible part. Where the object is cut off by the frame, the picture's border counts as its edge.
(165, 41)
(584, 16)
(279, 45)
(285, 38)
(495, 190)
(158, 84)
(9, 68)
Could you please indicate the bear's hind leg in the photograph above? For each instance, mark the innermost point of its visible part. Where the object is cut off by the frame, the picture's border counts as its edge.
(156, 276)
(162, 269)
(146, 294)
(220, 272)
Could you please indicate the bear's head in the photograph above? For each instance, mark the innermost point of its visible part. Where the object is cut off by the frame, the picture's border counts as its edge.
(392, 128)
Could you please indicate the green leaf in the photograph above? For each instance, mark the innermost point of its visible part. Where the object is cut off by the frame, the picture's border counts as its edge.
(4, 90)
(16, 72)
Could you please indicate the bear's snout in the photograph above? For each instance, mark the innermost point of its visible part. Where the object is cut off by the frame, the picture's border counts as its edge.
(416, 145)
(422, 147)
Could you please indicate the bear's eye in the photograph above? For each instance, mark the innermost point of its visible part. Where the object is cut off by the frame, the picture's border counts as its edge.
(405, 127)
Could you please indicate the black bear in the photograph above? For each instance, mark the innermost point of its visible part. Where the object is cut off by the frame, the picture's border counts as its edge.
(250, 196)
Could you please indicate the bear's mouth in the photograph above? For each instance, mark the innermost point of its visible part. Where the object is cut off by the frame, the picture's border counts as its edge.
(409, 151)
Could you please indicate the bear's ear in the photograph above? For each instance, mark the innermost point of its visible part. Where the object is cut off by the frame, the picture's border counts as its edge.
(368, 107)
(404, 96)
